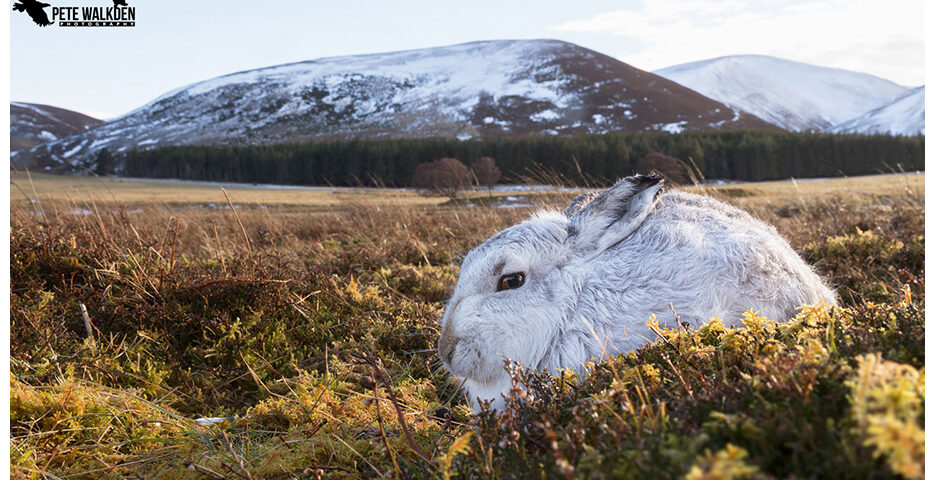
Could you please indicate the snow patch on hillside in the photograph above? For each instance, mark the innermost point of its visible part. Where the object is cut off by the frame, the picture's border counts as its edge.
(792, 95)
(467, 91)
(904, 116)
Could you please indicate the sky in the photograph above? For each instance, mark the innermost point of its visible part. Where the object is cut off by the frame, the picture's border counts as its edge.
(106, 72)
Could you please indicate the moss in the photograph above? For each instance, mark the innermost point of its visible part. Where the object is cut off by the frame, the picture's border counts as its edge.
(865, 262)
(886, 403)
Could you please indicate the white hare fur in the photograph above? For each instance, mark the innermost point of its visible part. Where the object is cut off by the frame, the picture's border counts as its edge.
(594, 275)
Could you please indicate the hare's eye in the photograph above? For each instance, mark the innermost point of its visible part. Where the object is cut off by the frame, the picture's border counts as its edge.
(511, 281)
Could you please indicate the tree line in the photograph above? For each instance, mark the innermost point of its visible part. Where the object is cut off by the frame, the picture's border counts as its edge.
(590, 159)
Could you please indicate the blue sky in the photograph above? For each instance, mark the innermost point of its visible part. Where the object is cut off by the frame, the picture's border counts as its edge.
(109, 71)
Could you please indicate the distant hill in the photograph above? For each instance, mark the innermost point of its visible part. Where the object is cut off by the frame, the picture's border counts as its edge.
(795, 96)
(903, 116)
(32, 124)
(473, 90)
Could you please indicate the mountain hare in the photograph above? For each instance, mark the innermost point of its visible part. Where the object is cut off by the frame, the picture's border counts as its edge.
(564, 287)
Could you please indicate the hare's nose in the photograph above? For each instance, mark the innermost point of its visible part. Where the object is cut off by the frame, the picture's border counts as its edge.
(446, 344)
(446, 349)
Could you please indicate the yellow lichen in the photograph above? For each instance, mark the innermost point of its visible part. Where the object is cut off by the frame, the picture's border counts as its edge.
(728, 463)
(887, 401)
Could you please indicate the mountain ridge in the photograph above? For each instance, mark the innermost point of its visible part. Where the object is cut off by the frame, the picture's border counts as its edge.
(34, 123)
(793, 95)
(903, 116)
(475, 90)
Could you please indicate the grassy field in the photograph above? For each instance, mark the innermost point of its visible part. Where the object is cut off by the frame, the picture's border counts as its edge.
(308, 318)
(149, 192)
(142, 193)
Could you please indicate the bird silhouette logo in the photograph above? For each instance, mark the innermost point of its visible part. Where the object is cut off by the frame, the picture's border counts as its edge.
(35, 10)
(120, 3)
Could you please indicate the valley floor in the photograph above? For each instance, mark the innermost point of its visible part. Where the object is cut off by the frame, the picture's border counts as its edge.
(140, 192)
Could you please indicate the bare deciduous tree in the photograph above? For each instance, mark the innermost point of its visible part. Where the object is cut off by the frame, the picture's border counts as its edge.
(447, 176)
(486, 172)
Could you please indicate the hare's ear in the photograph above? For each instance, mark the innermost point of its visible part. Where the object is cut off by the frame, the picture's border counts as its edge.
(613, 215)
(578, 203)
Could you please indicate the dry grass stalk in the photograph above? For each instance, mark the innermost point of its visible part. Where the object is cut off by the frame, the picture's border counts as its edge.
(246, 238)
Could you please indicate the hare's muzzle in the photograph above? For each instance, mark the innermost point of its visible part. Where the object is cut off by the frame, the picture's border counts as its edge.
(447, 343)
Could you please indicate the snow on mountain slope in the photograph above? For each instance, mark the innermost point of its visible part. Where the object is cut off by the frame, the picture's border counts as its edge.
(478, 89)
(32, 124)
(904, 116)
(792, 95)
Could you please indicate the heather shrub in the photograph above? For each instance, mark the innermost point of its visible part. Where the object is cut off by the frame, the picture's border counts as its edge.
(312, 334)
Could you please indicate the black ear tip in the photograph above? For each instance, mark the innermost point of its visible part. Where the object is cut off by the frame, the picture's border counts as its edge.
(645, 181)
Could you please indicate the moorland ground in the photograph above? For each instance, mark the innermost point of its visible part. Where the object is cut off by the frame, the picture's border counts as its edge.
(308, 318)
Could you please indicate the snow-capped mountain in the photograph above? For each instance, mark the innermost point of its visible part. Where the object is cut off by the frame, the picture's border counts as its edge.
(795, 96)
(904, 116)
(471, 90)
(32, 124)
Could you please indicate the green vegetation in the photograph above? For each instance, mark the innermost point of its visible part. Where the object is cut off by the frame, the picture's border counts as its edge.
(315, 332)
(742, 155)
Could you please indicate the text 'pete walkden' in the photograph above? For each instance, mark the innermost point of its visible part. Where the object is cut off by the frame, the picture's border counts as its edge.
(94, 16)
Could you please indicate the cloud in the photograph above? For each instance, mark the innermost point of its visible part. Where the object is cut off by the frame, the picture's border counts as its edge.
(861, 35)
(899, 58)
(649, 15)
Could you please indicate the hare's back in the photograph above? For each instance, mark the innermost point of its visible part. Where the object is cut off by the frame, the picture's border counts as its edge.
(730, 248)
